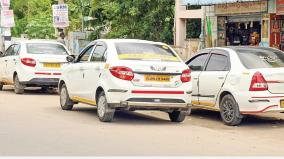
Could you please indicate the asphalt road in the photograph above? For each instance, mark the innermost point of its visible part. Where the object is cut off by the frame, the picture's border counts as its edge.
(34, 124)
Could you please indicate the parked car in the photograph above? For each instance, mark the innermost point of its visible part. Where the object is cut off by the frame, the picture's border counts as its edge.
(32, 63)
(237, 81)
(127, 75)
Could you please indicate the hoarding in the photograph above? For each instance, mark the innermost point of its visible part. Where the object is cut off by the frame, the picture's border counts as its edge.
(60, 16)
(7, 18)
(5, 4)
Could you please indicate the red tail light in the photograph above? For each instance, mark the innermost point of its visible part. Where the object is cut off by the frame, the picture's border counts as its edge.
(122, 72)
(28, 62)
(258, 83)
(185, 76)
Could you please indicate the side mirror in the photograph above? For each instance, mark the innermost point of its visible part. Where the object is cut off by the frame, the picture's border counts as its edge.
(70, 58)
(1, 54)
(195, 68)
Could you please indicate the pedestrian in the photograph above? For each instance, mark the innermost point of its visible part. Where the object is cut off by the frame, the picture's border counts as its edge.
(61, 38)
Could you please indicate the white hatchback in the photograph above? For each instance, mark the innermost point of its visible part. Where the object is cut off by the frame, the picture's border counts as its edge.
(32, 63)
(127, 75)
(237, 81)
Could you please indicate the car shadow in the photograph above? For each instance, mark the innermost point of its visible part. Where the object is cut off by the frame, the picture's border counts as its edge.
(261, 120)
(33, 91)
(125, 117)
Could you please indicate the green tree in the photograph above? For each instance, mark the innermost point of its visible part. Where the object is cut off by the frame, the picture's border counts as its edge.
(33, 17)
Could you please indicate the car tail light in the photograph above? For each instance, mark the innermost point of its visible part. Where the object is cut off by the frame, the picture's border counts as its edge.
(122, 72)
(258, 83)
(28, 62)
(185, 76)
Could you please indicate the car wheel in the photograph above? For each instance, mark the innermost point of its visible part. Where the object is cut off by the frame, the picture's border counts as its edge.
(230, 112)
(105, 113)
(177, 116)
(65, 101)
(1, 87)
(18, 87)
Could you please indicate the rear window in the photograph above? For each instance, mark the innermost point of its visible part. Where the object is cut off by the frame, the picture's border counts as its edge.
(51, 49)
(261, 58)
(145, 52)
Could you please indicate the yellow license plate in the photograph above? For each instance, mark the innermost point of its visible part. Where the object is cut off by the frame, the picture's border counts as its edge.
(282, 103)
(52, 65)
(157, 78)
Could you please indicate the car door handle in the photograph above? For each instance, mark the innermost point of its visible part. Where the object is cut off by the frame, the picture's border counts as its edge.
(14, 59)
(195, 78)
(5, 60)
(221, 77)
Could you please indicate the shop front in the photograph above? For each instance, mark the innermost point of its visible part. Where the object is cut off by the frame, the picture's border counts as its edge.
(277, 26)
(242, 24)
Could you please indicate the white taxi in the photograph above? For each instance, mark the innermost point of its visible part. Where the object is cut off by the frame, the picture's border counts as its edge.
(32, 63)
(237, 81)
(122, 74)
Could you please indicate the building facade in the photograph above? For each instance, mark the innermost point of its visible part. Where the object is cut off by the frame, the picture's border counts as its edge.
(235, 23)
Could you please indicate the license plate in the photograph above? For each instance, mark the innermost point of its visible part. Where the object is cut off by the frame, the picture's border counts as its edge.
(282, 103)
(157, 78)
(52, 65)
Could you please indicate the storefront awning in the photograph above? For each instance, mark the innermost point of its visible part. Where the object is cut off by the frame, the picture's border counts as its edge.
(212, 2)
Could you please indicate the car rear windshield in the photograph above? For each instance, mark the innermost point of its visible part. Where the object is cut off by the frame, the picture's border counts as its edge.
(261, 58)
(145, 52)
(50, 49)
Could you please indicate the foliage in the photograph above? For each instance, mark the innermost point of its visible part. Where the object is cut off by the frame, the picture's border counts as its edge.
(33, 17)
(193, 28)
(147, 19)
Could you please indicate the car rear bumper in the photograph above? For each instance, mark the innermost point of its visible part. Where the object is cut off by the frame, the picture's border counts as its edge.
(130, 105)
(53, 82)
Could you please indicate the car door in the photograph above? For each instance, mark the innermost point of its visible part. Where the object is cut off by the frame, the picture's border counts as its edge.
(94, 70)
(12, 60)
(211, 80)
(4, 64)
(75, 72)
(2, 67)
(197, 64)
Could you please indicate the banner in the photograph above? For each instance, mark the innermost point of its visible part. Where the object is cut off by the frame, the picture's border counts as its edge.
(60, 16)
(7, 18)
(241, 7)
(279, 7)
(5, 4)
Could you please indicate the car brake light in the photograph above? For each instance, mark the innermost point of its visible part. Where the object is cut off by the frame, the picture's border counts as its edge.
(185, 76)
(258, 83)
(28, 62)
(122, 72)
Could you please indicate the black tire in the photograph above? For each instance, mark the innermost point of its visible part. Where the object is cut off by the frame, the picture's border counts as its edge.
(1, 87)
(105, 113)
(177, 116)
(18, 87)
(65, 101)
(229, 111)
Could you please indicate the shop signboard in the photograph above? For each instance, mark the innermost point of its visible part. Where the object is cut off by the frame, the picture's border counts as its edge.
(264, 28)
(241, 8)
(280, 7)
(221, 29)
(7, 18)
(60, 16)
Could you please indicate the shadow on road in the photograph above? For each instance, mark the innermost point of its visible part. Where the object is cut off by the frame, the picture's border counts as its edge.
(33, 91)
(125, 117)
(205, 117)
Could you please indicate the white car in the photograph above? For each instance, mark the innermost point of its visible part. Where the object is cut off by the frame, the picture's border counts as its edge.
(32, 63)
(127, 75)
(237, 81)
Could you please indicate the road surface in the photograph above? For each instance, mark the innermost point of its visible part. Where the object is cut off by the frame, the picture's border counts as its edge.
(34, 124)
